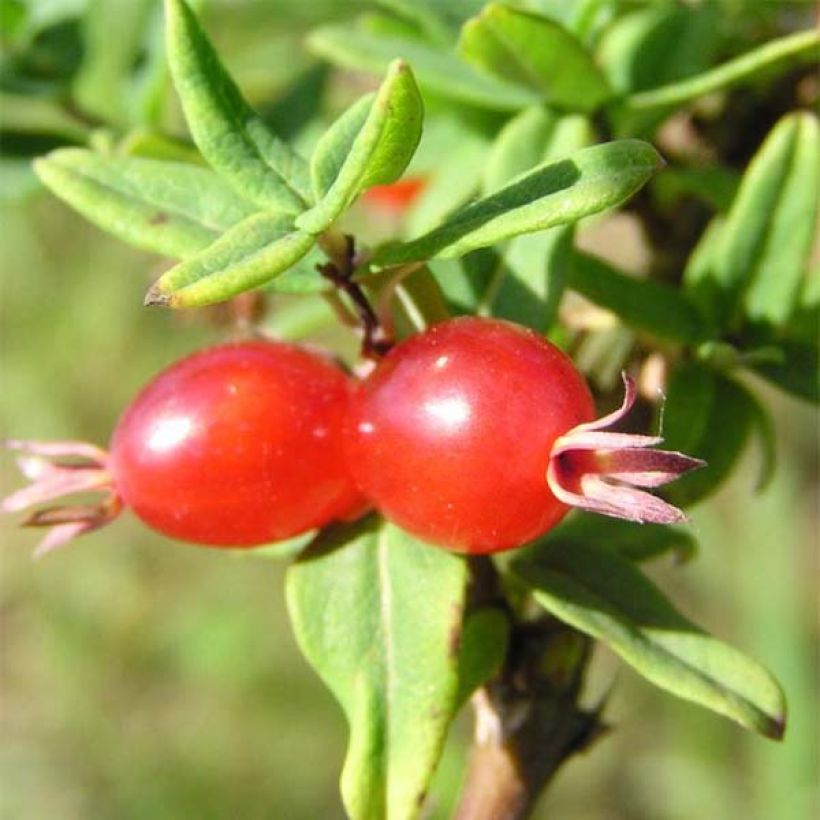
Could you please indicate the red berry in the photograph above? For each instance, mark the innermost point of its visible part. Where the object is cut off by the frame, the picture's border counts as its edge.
(451, 435)
(237, 445)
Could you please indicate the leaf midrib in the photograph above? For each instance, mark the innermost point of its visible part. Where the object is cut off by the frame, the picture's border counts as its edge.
(635, 632)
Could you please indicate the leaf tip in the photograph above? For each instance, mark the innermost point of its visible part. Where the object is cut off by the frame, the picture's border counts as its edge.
(776, 728)
(156, 297)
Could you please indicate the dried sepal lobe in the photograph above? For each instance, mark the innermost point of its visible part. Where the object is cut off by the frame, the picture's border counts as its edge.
(602, 471)
(57, 469)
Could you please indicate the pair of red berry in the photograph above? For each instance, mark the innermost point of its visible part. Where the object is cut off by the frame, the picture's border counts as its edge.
(475, 435)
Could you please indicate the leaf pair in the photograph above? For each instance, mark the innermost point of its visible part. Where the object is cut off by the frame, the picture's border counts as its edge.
(260, 213)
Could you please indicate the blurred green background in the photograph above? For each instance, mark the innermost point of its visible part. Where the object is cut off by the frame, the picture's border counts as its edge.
(147, 679)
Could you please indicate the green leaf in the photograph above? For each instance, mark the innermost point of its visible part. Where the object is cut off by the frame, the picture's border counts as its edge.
(436, 69)
(778, 196)
(482, 651)
(706, 415)
(659, 44)
(783, 51)
(637, 542)
(448, 185)
(379, 616)
(607, 597)
(246, 256)
(536, 269)
(172, 208)
(640, 303)
(534, 52)
(370, 144)
(114, 35)
(529, 287)
(799, 373)
(756, 263)
(557, 193)
(716, 186)
(230, 135)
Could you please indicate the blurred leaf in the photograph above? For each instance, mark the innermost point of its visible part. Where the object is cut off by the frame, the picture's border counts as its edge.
(230, 135)
(39, 116)
(482, 651)
(529, 290)
(17, 179)
(12, 18)
(172, 208)
(659, 44)
(436, 69)
(763, 245)
(379, 616)
(799, 374)
(557, 193)
(142, 142)
(710, 416)
(637, 542)
(778, 198)
(246, 256)
(370, 144)
(607, 597)
(114, 35)
(642, 304)
(716, 186)
(774, 54)
(534, 52)
(528, 139)
(448, 185)
(427, 15)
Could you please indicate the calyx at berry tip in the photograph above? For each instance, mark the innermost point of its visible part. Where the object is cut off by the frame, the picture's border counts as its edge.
(605, 472)
(56, 469)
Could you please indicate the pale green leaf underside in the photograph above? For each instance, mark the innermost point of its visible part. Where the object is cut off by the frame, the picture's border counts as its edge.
(437, 70)
(230, 135)
(370, 144)
(534, 52)
(172, 208)
(378, 615)
(608, 598)
(246, 256)
(786, 49)
(556, 193)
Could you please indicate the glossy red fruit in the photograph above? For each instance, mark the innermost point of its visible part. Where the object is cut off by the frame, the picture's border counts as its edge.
(237, 445)
(451, 435)
(234, 446)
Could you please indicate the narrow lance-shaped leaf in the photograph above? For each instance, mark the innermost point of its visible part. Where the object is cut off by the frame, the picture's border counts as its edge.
(790, 212)
(529, 287)
(172, 208)
(608, 598)
(248, 255)
(640, 303)
(379, 614)
(785, 50)
(230, 135)
(370, 144)
(437, 70)
(756, 260)
(535, 52)
(556, 193)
